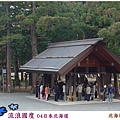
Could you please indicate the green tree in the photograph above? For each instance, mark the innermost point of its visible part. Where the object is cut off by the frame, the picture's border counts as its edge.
(112, 33)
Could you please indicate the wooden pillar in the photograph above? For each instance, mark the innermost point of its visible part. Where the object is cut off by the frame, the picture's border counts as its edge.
(100, 80)
(47, 79)
(52, 80)
(103, 74)
(30, 79)
(105, 79)
(99, 83)
(70, 85)
(34, 79)
(116, 85)
(108, 78)
(74, 85)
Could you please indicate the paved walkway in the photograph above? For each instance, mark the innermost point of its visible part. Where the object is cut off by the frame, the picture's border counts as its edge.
(28, 102)
(63, 103)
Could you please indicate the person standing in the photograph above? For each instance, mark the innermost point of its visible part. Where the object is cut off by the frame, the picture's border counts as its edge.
(103, 93)
(96, 89)
(60, 90)
(56, 92)
(79, 90)
(64, 93)
(111, 91)
(49, 91)
(88, 89)
(37, 90)
(46, 92)
(84, 91)
(92, 91)
(41, 91)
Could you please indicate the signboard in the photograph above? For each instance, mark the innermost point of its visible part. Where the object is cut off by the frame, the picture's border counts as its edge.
(4, 71)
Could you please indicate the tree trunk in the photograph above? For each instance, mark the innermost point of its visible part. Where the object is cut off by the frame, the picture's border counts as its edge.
(34, 48)
(16, 69)
(33, 35)
(8, 83)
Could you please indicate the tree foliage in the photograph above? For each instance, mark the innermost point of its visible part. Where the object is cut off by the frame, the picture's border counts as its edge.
(58, 21)
(113, 35)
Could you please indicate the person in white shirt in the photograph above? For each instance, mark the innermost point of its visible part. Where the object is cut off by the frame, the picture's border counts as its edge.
(41, 90)
(64, 92)
(79, 90)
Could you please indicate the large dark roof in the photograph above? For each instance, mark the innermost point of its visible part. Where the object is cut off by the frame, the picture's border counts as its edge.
(59, 57)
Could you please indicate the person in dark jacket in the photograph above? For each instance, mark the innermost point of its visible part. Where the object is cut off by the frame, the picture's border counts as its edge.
(111, 91)
(56, 88)
(92, 91)
(84, 92)
(103, 91)
(37, 90)
(60, 90)
(96, 89)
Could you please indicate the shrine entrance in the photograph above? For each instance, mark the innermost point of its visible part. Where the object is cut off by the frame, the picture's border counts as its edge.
(72, 62)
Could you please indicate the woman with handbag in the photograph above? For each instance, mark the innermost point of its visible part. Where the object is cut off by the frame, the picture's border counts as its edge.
(103, 93)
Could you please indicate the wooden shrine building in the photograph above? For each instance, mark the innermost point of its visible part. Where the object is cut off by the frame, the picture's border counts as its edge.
(63, 61)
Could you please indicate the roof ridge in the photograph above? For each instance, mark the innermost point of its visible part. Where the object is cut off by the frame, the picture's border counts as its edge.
(75, 42)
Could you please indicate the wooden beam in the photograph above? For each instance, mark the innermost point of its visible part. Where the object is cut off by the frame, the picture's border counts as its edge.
(94, 65)
(94, 60)
(99, 57)
(109, 58)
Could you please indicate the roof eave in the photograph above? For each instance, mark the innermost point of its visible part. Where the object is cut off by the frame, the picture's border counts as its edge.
(28, 69)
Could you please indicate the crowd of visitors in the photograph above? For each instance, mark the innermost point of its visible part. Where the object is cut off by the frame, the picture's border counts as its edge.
(87, 91)
(42, 91)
